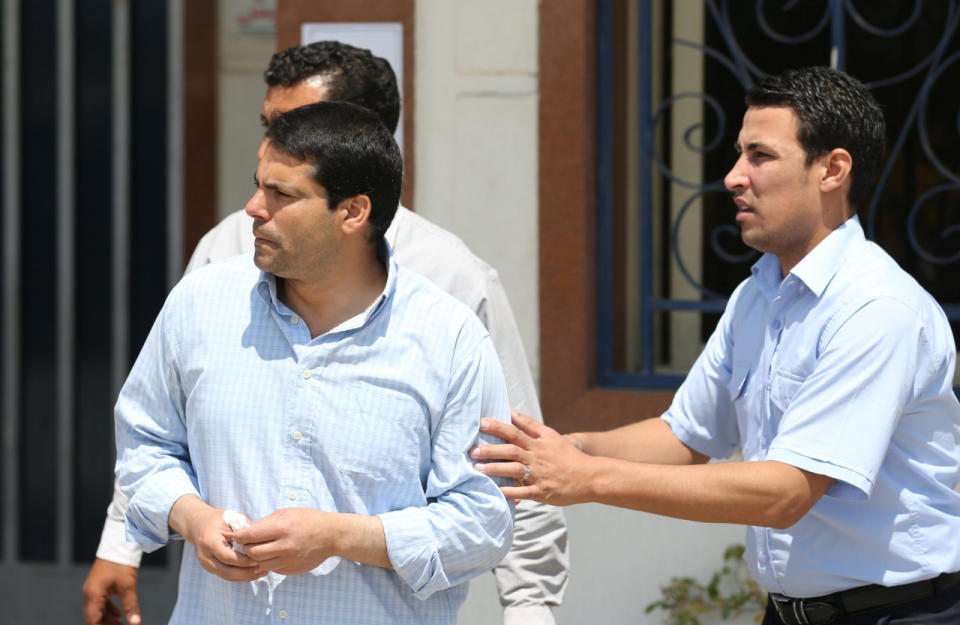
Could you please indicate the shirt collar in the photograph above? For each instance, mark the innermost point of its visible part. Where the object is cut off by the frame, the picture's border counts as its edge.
(817, 268)
(267, 289)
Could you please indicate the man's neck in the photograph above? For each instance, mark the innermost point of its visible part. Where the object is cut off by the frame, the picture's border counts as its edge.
(345, 292)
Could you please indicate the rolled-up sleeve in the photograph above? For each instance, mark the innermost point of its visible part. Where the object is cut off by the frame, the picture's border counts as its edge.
(467, 525)
(153, 463)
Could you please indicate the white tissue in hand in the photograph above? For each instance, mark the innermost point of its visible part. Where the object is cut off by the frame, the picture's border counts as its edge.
(237, 522)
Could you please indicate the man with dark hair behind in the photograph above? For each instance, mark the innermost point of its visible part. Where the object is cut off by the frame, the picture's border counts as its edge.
(831, 370)
(322, 391)
(533, 575)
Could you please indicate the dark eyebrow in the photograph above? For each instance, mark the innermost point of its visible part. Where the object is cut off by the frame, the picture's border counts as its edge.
(264, 121)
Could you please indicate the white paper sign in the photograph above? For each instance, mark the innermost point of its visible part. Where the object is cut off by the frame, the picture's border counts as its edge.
(383, 39)
(256, 17)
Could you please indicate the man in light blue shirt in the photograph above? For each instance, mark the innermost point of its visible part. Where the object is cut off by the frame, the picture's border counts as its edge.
(325, 393)
(831, 369)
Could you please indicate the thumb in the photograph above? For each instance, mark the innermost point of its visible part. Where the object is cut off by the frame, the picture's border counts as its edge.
(131, 605)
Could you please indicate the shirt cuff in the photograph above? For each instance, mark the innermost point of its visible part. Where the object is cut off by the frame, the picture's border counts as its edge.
(412, 551)
(849, 483)
(149, 511)
(114, 546)
(528, 615)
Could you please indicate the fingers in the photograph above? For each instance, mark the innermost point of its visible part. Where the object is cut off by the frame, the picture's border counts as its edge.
(257, 533)
(521, 492)
(529, 425)
(111, 615)
(498, 452)
(512, 470)
(507, 432)
(94, 604)
(220, 559)
(131, 605)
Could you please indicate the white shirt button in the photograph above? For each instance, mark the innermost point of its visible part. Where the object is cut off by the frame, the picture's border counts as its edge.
(292, 495)
(776, 324)
(762, 557)
(294, 320)
(305, 374)
(297, 436)
(283, 614)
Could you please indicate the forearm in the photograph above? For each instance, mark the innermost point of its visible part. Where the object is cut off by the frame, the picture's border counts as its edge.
(769, 494)
(186, 514)
(650, 441)
(360, 538)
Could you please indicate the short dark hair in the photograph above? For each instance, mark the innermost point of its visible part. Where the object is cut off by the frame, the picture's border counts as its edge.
(835, 111)
(352, 75)
(351, 151)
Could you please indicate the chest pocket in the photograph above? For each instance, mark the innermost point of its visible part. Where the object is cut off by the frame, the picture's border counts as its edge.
(374, 434)
(783, 388)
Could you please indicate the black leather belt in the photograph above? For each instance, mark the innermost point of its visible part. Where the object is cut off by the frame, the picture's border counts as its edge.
(831, 608)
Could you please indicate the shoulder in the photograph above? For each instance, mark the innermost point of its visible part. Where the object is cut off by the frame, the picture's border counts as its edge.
(870, 277)
(441, 257)
(868, 273)
(231, 277)
(425, 307)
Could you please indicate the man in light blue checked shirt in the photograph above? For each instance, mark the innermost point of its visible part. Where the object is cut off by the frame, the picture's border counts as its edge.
(831, 369)
(324, 392)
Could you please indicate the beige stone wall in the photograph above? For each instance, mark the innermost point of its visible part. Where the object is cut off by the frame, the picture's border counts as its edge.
(476, 137)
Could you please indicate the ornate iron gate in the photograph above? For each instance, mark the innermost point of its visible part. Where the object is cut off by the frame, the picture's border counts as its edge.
(907, 53)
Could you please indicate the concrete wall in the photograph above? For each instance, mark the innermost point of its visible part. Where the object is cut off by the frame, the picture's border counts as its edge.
(476, 136)
(242, 59)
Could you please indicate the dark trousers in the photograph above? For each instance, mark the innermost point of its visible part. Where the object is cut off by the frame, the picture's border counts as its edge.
(942, 609)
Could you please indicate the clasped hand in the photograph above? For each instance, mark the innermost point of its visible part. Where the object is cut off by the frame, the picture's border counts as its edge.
(289, 541)
(559, 470)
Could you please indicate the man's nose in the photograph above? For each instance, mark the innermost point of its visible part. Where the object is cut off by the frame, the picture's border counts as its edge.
(735, 179)
(256, 206)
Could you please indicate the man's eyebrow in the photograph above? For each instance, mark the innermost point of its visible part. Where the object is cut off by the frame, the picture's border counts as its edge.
(264, 121)
(752, 146)
(273, 185)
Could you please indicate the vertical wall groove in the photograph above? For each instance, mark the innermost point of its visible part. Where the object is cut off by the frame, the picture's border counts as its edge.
(11, 277)
(65, 279)
(175, 152)
(121, 192)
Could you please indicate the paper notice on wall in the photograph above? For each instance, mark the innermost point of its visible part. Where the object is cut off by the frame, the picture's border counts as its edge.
(384, 39)
(255, 17)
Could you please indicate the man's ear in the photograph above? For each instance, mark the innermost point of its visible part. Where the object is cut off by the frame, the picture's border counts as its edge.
(355, 213)
(837, 167)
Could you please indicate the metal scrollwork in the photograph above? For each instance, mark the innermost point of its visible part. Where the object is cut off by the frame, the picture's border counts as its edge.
(745, 69)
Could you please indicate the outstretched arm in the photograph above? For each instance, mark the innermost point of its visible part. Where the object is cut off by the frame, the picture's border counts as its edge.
(771, 494)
